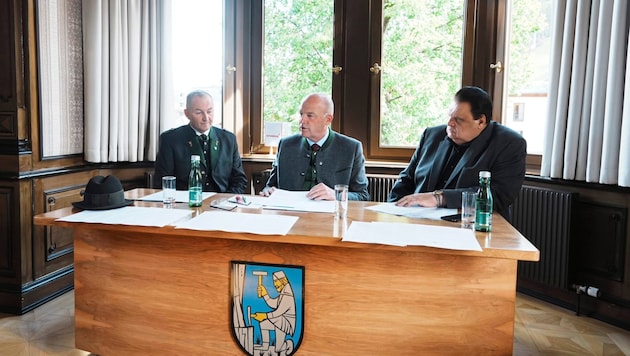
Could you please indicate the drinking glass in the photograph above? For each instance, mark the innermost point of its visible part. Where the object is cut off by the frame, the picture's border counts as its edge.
(168, 190)
(341, 200)
(468, 209)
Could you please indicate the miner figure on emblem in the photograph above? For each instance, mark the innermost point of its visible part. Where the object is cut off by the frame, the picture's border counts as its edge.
(281, 319)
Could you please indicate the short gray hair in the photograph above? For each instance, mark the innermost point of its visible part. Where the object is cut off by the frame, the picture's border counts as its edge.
(194, 94)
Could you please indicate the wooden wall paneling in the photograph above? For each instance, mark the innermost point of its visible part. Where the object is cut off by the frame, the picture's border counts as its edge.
(7, 57)
(24, 162)
(46, 256)
(9, 165)
(9, 248)
(52, 246)
(7, 125)
(57, 245)
(24, 233)
(33, 85)
(23, 78)
(131, 177)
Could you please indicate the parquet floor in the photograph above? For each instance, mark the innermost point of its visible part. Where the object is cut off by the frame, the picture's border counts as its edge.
(540, 329)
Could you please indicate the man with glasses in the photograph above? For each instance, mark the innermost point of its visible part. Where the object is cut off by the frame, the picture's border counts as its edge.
(318, 158)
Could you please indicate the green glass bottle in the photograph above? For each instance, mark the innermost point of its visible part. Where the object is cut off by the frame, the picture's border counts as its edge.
(483, 206)
(195, 182)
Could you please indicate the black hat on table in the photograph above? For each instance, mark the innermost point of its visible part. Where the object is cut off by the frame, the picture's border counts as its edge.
(102, 193)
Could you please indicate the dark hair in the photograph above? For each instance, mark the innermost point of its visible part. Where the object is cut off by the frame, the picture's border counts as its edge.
(479, 100)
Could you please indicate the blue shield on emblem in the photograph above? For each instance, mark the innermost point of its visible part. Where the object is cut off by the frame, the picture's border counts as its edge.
(267, 308)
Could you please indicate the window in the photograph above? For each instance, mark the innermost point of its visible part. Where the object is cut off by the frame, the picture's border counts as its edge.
(424, 52)
(197, 54)
(60, 77)
(529, 25)
(297, 56)
(422, 49)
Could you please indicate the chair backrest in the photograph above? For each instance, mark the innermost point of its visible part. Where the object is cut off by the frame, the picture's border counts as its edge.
(148, 177)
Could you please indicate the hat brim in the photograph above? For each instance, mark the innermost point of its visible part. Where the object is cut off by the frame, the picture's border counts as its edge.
(82, 205)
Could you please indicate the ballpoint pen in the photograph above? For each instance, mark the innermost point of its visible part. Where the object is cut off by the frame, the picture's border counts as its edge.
(241, 200)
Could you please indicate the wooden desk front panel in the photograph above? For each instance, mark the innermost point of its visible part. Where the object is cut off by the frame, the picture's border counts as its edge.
(142, 293)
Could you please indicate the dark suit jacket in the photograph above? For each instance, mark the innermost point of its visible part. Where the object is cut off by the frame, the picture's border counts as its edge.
(339, 162)
(176, 147)
(497, 149)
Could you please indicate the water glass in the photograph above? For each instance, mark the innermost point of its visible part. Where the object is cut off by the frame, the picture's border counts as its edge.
(341, 200)
(168, 190)
(469, 200)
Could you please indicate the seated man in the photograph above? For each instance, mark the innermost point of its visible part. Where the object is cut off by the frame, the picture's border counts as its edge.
(449, 158)
(318, 158)
(221, 165)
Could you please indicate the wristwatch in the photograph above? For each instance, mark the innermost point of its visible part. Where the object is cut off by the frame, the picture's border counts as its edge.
(439, 197)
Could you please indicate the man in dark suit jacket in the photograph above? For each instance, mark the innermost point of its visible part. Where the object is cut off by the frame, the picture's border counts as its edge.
(449, 157)
(318, 158)
(221, 164)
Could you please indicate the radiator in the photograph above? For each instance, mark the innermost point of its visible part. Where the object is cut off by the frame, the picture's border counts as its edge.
(379, 186)
(544, 217)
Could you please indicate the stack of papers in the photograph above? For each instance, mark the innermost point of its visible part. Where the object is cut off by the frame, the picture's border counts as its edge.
(400, 234)
(131, 215)
(260, 224)
(181, 196)
(412, 211)
(293, 200)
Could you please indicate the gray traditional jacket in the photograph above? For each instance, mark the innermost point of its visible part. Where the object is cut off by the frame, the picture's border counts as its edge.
(339, 161)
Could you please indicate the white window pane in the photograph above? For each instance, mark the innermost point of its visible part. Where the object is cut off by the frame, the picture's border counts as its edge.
(422, 66)
(297, 58)
(197, 54)
(527, 70)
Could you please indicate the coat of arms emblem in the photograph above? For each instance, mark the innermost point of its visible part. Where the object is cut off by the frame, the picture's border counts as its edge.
(267, 308)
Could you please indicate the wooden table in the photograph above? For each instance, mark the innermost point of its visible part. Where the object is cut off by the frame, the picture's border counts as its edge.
(147, 290)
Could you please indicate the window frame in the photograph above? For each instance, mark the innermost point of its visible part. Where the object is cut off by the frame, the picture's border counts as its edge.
(355, 90)
(533, 161)
(374, 150)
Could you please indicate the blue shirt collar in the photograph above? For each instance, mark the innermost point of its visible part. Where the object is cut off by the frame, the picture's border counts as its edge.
(320, 142)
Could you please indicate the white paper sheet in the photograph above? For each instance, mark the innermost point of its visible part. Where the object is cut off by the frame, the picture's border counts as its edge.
(366, 232)
(412, 211)
(131, 215)
(400, 234)
(292, 200)
(181, 196)
(259, 224)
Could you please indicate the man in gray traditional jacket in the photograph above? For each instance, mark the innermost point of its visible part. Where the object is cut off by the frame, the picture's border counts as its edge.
(318, 158)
